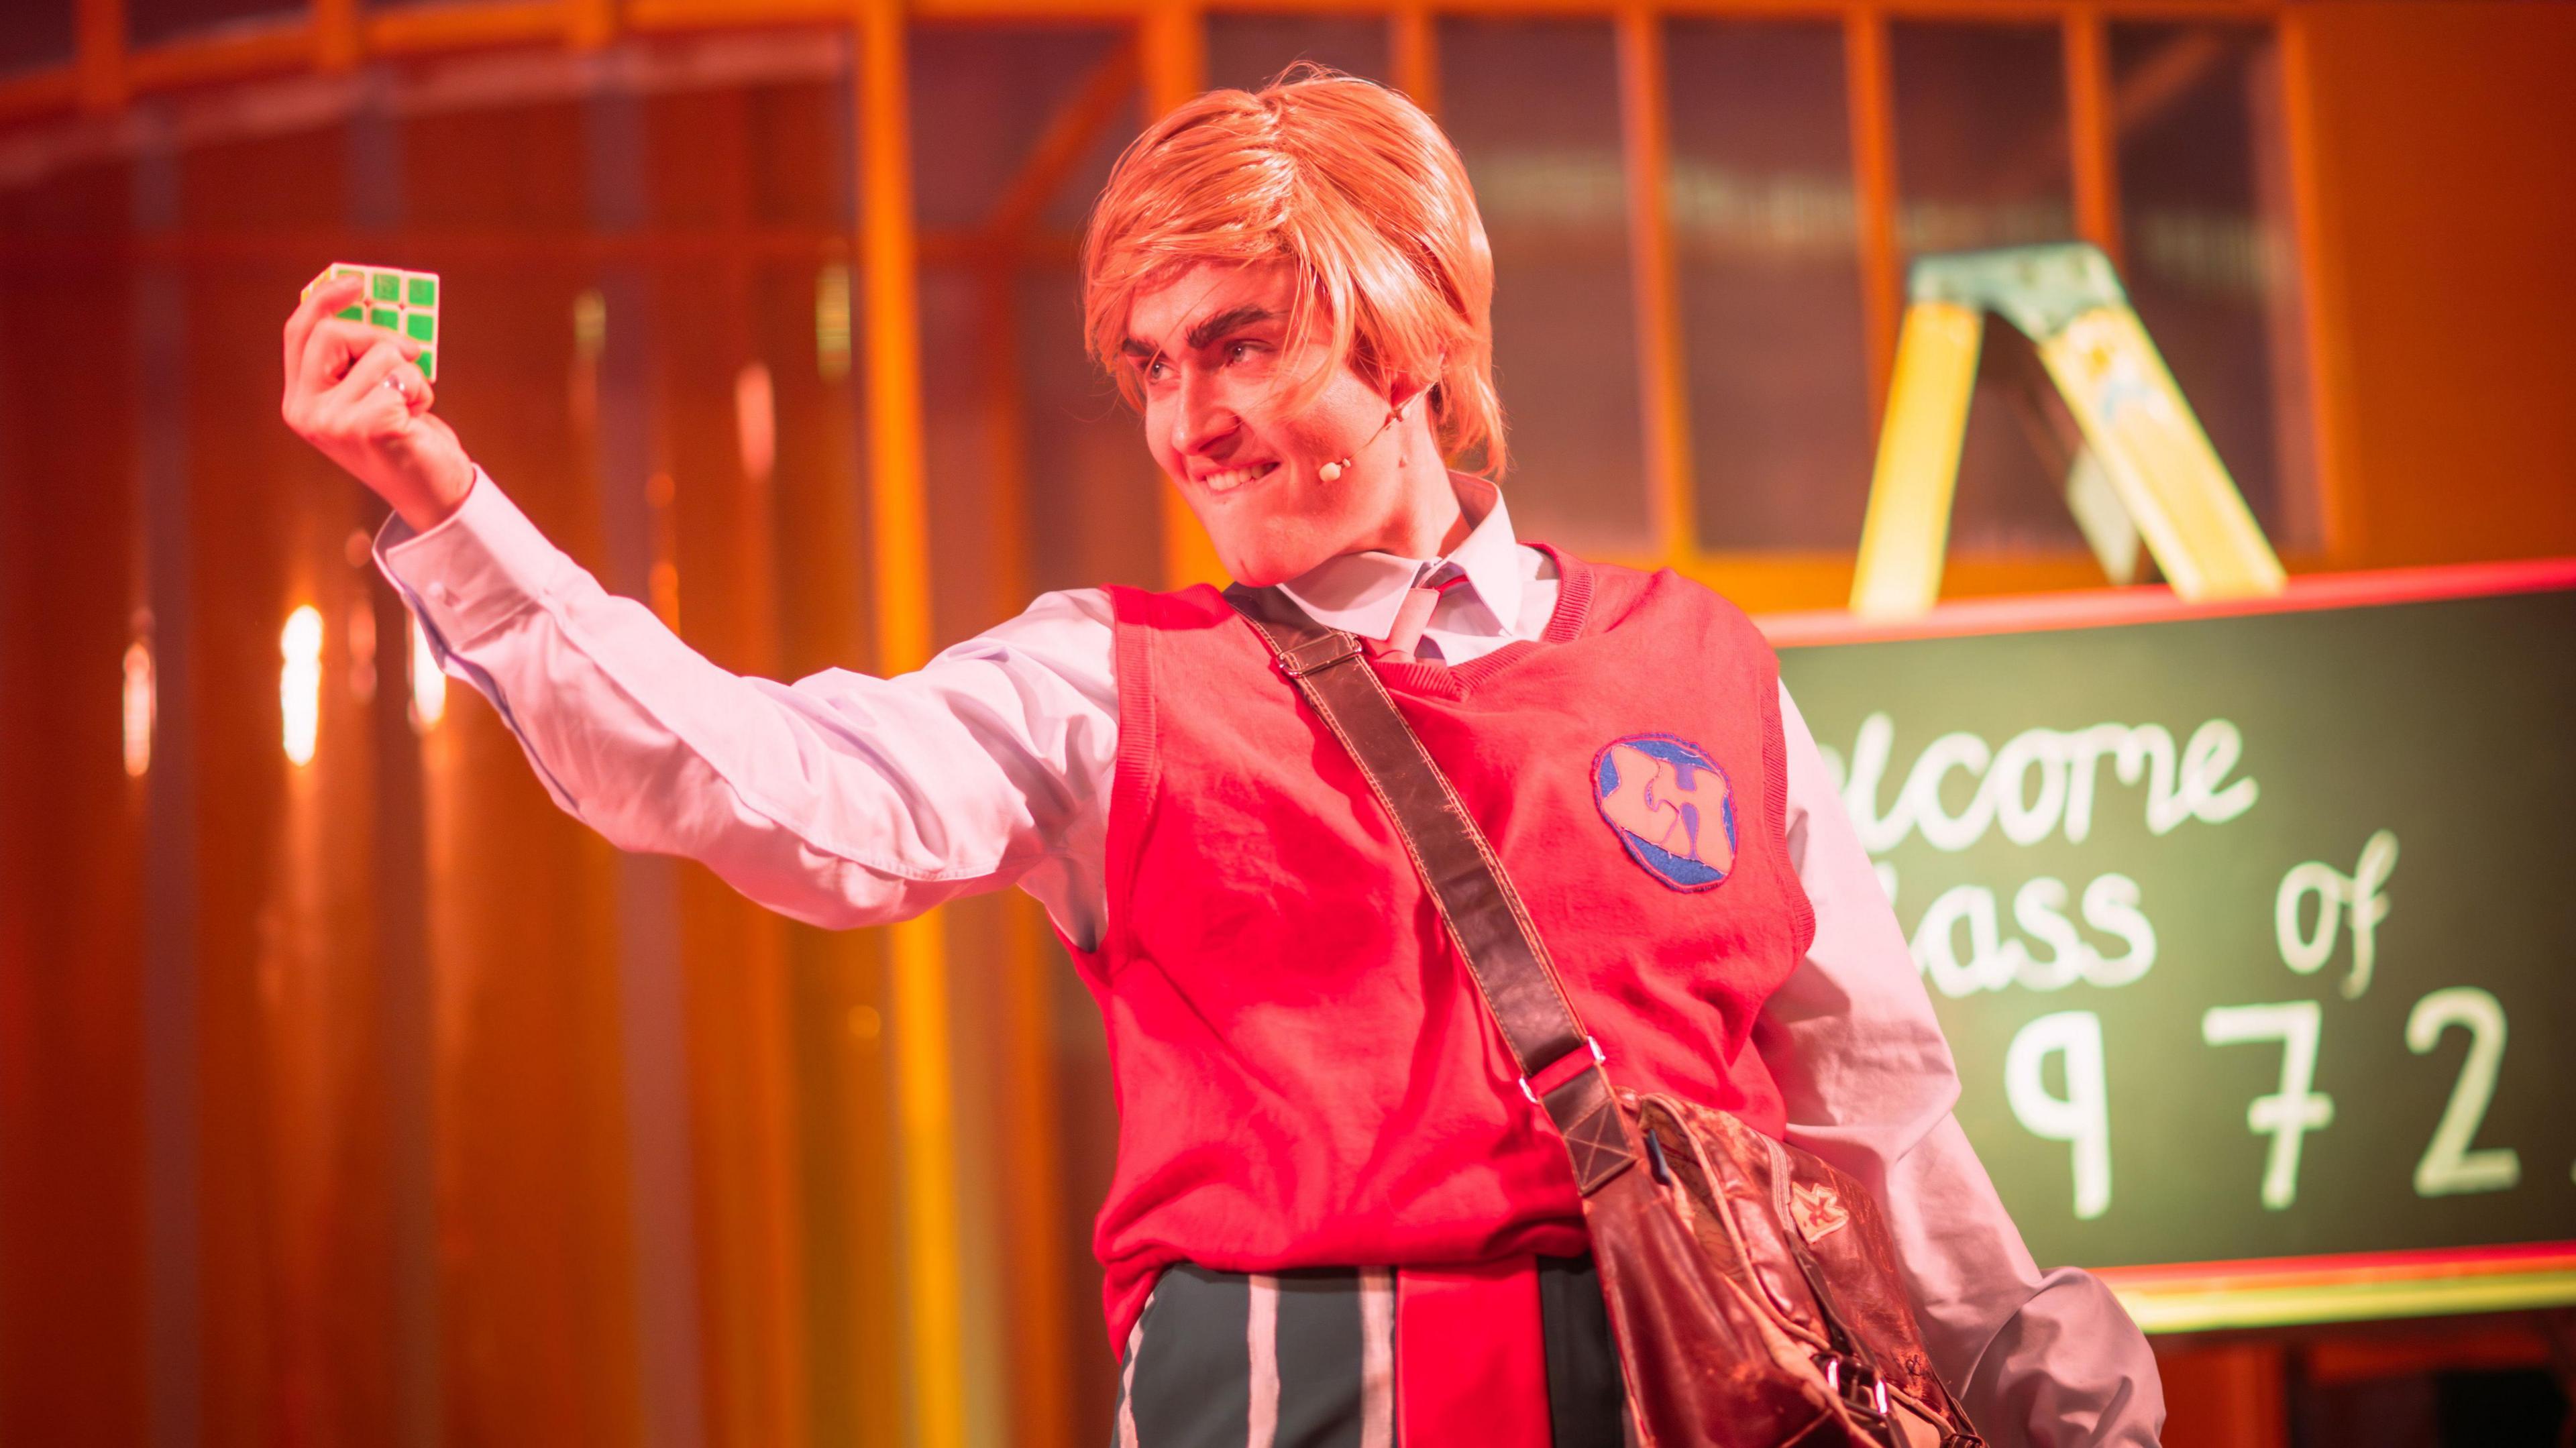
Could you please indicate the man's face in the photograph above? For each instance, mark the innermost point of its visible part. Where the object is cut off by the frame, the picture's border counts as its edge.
(1207, 346)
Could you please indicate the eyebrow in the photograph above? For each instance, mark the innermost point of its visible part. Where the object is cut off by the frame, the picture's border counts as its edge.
(1233, 319)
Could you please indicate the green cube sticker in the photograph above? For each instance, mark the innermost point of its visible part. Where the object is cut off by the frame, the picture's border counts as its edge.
(402, 301)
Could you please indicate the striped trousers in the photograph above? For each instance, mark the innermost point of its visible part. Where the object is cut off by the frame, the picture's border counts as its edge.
(1308, 1359)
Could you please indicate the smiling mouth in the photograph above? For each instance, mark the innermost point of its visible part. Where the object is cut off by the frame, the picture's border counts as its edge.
(1233, 478)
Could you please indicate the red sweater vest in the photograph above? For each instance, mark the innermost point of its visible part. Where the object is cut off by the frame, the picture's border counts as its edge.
(1305, 1073)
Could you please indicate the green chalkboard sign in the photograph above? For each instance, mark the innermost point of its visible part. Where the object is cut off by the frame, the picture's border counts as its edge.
(2252, 926)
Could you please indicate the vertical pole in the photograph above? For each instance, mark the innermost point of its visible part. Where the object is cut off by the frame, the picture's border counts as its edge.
(99, 53)
(900, 538)
(1413, 53)
(1042, 1366)
(652, 998)
(589, 24)
(171, 1085)
(1871, 85)
(2092, 142)
(769, 1402)
(2229, 1397)
(1665, 393)
(1175, 50)
(336, 43)
(2345, 528)
(401, 917)
(1005, 430)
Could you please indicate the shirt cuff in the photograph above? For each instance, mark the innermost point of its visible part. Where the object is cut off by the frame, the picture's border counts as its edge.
(480, 567)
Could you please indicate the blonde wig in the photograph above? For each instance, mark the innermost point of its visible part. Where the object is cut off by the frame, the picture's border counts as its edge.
(1354, 186)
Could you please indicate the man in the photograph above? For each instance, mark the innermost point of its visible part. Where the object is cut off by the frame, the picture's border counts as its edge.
(1334, 1218)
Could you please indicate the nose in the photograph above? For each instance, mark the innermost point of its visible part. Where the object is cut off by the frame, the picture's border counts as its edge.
(1204, 418)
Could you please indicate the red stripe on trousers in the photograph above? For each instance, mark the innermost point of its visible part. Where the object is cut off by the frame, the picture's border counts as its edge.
(1470, 1356)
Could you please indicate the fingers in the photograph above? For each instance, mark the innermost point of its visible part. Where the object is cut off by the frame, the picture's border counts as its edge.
(360, 414)
(360, 391)
(330, 350)
(327, 298)
(407, 380)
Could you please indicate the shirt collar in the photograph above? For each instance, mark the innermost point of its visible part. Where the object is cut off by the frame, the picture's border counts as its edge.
(1359, 592)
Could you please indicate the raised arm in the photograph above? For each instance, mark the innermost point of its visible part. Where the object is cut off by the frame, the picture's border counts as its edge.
(841, 800)
(2041, 1358)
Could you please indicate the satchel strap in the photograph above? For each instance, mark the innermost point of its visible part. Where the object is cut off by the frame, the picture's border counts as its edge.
(1477, 904)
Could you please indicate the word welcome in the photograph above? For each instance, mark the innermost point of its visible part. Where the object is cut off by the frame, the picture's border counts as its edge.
(2042, 781)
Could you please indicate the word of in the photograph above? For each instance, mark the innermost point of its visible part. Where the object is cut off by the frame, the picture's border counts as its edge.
(2336, 892)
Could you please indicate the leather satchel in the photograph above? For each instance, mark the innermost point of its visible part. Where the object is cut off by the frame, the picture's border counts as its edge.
(1752, 1288)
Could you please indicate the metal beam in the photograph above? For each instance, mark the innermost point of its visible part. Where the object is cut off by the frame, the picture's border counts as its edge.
(1664, 390)
(900, 553)
(1175, 44)
(241, 52)
(589, 24)
(173, 1040)
(98, 54)
(336, 37)
(1040, 1307)
(1413, 53)
(2322, 301)
(428, 29)
(1070, 133)
(2092, 139)
(652, 998)
(1869, 86)
(103, 73)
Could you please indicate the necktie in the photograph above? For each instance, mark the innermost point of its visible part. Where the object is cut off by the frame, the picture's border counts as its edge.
(1413, 615)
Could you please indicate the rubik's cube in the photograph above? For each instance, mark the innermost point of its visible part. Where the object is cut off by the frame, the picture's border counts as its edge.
(403, 302)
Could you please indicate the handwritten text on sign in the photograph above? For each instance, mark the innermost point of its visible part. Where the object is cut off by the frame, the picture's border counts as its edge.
(2225, 910)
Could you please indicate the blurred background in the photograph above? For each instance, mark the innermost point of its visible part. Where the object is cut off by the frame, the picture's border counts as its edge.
(350, 1094)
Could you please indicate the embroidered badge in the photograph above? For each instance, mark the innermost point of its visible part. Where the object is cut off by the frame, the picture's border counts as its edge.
(1820, 1213)
(1670, 807)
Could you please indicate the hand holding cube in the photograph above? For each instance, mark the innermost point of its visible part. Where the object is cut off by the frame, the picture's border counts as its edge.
(402, 302)
(359, 389)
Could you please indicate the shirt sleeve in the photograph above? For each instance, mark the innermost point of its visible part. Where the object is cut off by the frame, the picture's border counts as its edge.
(841, 799)
(2036, 1357)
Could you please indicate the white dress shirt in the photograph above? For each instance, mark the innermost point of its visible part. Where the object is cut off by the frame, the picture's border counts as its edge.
(848, 800)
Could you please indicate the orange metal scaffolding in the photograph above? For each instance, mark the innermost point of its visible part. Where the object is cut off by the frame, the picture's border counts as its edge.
(1165, 63)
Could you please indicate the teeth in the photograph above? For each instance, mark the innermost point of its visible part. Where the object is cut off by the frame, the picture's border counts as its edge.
(1228, 481)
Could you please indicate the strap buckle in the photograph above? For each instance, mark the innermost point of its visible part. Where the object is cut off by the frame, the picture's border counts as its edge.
(1532, 1096)
(1318, 654)
(1856, 1383)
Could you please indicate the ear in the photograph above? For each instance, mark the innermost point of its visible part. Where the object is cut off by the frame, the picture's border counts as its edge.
(1404, 387)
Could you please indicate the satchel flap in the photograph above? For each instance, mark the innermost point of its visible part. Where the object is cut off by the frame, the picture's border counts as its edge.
(1724, 1161)
(1842, 1228)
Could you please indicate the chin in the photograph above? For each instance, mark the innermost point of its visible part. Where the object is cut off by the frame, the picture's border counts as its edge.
(1261, 566)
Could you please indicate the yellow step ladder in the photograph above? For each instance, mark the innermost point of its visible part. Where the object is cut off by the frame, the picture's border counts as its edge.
(2146, 470)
